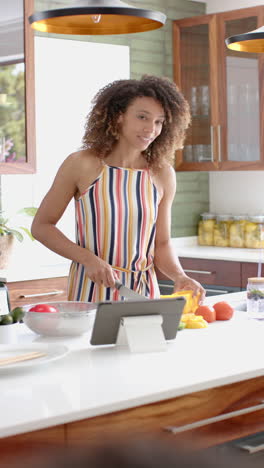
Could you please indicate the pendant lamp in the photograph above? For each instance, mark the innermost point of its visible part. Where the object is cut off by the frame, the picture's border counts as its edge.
(94, 17)
(252, 41)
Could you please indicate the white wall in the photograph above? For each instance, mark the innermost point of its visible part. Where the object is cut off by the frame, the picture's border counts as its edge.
(67, 76)
(213, 6)
(236, 192)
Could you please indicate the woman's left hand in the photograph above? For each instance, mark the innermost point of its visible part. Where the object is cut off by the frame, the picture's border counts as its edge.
(184, 282)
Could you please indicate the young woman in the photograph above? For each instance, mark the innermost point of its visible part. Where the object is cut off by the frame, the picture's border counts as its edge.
(123, 184)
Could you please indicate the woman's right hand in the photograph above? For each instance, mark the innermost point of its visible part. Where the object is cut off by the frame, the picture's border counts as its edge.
(100, 272)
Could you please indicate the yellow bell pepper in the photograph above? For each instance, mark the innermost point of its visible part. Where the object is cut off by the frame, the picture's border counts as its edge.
(194, 321)
(197, 324)
(192, 301)
(188, 316)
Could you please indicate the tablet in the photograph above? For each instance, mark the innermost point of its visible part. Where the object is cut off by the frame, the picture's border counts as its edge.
(109, 314)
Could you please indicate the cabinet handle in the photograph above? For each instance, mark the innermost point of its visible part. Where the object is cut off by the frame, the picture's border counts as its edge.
(212, 142)
(219, 143)
(221, 417)
(167, 286)
(219, 291)
(51, 293)
(200, 272)
(252, 448)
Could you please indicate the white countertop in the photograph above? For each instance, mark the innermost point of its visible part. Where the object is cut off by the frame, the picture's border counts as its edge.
(34, 261)
(188, 247)
(91, 381)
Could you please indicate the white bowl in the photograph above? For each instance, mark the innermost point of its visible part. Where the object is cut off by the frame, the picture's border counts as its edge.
(8, 333)
(72, 319)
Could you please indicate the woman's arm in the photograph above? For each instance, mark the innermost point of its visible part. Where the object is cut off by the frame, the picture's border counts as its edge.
(165, 258)
(44, 228)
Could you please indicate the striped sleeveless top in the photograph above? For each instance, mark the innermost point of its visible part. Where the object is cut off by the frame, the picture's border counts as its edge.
(116, 220)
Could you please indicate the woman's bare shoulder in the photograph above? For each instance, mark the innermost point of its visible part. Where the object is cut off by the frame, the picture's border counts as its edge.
(83, 158)
(84, 167)
(165, 180)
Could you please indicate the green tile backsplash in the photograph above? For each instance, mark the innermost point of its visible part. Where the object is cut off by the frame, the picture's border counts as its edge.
(151, 53)
(191, 199)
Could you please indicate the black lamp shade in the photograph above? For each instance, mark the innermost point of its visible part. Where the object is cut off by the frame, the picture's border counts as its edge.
(89, 17)
(252, 41)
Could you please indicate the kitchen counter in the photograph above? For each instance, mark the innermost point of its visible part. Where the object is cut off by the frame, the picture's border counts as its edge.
(188, 247)
(91, 381)
(46, 264)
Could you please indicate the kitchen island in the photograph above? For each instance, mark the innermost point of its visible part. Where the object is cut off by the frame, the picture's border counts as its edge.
(95, 391)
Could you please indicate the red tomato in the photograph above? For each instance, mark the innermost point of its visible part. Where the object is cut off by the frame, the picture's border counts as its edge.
(223, 310)
(206, 312)
(43, 308)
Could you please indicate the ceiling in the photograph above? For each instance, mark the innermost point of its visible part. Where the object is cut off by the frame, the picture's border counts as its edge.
(11, 24)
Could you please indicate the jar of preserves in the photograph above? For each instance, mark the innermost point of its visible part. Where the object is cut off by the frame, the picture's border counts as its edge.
(254, 232)
(222, 230)
(255, 298)
(206, 229)
(237, 231)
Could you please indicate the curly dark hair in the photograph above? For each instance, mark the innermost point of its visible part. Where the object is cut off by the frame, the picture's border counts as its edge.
(101, 127)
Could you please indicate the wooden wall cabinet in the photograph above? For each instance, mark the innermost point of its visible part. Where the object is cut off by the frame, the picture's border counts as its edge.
(41, 290)
(225, 90)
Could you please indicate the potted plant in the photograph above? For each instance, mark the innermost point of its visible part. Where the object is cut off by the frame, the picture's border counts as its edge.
(8, 234)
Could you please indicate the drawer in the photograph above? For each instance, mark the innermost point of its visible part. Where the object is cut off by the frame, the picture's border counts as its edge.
(33, 291)
(174, 418)
(249, 270)
(213, 272)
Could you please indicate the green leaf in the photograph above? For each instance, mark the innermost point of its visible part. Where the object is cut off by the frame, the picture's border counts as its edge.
(27, 232)
(17, 234)
(30, 211)
(4, 230)
(3, 220)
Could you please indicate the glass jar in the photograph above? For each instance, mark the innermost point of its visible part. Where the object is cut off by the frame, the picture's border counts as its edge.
(255, 298)
(254, 232)
(237, 231)
(4, 298)
(222, 230)
(206, 229)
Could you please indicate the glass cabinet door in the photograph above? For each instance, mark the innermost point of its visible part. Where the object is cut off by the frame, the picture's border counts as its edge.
(193, 53)
(224, 89)
(240, 112)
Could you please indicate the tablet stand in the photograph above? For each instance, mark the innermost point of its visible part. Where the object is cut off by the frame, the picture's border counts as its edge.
(142, 334)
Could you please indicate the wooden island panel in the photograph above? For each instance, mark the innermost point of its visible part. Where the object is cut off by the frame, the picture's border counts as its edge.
(153, 419)
(11, 448)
